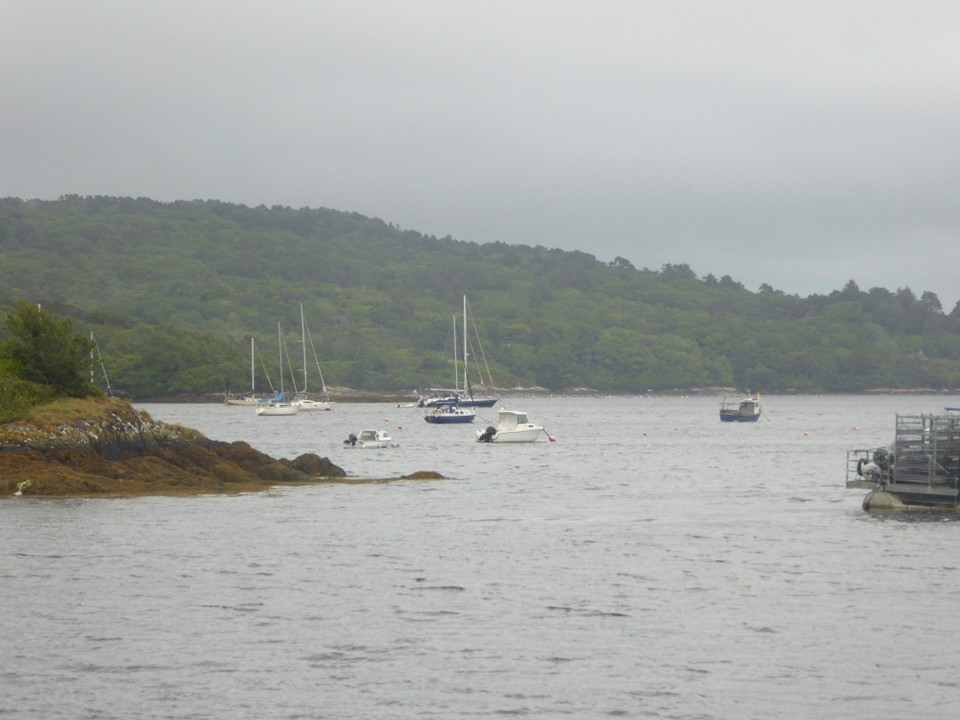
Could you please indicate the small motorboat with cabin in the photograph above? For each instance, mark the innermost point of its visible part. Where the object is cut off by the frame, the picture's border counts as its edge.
(512, 426)
(449, 413)
(744, 410)
(368, 439)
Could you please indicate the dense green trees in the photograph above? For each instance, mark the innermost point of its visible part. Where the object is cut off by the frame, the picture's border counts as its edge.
(43, 349)
(41, 358)
(175, 290)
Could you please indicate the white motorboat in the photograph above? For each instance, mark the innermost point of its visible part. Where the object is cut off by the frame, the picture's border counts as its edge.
(512, 427)
(371, 439)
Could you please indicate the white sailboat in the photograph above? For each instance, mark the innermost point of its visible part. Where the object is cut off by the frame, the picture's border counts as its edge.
(467, 398)
(463, 397)
(277, 405)
(250, 400)
(302, 399)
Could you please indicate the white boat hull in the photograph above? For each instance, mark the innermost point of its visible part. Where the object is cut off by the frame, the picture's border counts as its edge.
(375, 445)
(371, 440)
(520, 435)
(243, 401)
(512, 427)
(313, 405)
(277, 409)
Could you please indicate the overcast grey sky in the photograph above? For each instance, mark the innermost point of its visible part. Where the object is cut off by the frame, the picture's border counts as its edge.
(797, 143)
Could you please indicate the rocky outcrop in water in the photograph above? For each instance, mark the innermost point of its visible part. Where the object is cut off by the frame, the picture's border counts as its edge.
(114, 449)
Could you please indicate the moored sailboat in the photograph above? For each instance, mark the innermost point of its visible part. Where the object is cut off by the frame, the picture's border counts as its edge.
(277, 405)
(464, 397)
(302, 400)
(251, 399)
(467, 398)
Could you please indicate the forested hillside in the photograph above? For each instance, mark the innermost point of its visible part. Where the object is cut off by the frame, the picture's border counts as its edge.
(174, 291)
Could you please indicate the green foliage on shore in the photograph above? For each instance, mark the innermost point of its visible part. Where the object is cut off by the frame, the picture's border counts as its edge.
(41, 358)
(18, 396)
(175, 290)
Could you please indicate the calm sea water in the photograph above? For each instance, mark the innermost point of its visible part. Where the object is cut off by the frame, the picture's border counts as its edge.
(651, 563)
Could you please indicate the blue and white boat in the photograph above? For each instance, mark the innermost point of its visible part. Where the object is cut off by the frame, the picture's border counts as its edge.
(449, 413)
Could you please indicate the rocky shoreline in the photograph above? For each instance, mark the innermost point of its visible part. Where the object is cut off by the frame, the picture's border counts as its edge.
(107, 448)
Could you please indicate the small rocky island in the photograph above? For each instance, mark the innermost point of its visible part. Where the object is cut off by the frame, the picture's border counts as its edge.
(106, 447)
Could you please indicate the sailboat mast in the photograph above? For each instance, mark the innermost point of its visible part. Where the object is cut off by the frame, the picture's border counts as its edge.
(103, 368)
(303, 340)
(280, 345)
(456, 370)
(253, 376)
(465, 354)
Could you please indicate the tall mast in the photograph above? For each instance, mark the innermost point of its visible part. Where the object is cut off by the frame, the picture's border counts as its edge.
(465, 353)
(280, 345)
(456, 370)
(303, 340)
(103, 368)
(253, 377)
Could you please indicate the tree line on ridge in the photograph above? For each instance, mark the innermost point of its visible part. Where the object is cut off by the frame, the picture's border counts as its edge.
(174, 292)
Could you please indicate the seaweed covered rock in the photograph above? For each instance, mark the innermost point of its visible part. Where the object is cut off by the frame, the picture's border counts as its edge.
(107, 447)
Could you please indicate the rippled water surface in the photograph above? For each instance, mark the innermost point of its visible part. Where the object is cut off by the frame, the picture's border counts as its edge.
(652, 562)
